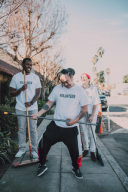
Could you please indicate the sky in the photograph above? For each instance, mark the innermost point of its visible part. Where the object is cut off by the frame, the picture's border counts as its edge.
(93, 24)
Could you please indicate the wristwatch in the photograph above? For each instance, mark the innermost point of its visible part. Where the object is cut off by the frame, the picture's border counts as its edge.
(32, 102)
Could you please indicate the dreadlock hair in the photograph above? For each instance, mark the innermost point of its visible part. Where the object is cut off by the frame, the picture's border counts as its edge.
(25, 59)
(69, 71)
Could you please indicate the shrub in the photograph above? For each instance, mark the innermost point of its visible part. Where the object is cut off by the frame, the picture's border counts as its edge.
(8, 123)
(40, 104)
(8, 147)
(5, 93)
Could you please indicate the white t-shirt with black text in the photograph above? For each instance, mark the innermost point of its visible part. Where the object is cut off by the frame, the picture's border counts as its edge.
(93, 98)
(68, 103)
(33, 83)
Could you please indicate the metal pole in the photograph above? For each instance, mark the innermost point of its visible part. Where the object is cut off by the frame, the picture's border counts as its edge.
(63, 120)
(108, 119)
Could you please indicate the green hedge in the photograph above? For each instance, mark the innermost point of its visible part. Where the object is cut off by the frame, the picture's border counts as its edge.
(8, 130)
(8, 123)
(8, 148)
(5, 92)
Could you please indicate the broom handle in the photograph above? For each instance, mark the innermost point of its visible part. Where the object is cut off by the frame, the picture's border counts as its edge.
(29, 138)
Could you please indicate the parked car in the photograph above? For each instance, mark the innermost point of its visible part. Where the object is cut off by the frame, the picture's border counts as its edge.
(107, 93)
(103, 102)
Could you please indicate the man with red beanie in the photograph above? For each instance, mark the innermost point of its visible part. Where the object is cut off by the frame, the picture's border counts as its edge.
(93, 99)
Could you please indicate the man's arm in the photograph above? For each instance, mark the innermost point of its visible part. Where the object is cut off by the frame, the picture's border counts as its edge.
(81, 114)
(35, 98)
(15, 92)
(44, 109)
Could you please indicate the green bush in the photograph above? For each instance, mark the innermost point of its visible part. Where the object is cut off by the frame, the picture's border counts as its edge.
(8, 123)
(5, 93)
(8, 148)
(40, 104)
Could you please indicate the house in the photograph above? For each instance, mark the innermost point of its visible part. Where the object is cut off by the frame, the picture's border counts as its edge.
(8, 58)
(6, 73)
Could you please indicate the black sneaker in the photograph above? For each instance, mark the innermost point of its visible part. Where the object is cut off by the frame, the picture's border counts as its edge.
(93, 157)
(77, 173)
(85, 153)
(41, 169)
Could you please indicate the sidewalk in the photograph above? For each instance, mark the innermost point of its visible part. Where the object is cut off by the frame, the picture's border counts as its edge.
(59, 177)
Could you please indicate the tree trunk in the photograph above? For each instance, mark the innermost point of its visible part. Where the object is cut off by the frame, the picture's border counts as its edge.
(43, 93)
(47, 90)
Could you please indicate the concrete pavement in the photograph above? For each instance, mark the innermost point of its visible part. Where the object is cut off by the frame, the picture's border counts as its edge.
(59, 177)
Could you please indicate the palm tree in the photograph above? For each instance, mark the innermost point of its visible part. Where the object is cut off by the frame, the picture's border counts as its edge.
(95, 59)
(108, 72)
(94, 69)
(100, 52)
(95, 80)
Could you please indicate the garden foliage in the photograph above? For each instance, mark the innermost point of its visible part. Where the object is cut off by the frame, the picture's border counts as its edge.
(8, 123)
(8, 147)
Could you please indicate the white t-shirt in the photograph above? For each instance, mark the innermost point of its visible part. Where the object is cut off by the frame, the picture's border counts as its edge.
(93, 98)
(68, 102)
(33, 83)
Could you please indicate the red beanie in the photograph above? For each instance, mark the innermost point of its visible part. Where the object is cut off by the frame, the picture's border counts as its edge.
(88, 76)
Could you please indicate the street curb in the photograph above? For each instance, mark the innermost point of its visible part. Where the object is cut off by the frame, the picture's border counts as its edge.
(115, 166)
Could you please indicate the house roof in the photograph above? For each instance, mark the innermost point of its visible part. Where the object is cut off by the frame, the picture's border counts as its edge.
(9, 58)
(8, 69)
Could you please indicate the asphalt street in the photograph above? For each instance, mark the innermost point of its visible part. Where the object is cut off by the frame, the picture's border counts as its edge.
(118, 104)
(118, 111)
(118, 108)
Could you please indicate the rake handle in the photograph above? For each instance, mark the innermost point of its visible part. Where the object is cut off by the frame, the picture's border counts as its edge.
(92, 130)
(63, 120)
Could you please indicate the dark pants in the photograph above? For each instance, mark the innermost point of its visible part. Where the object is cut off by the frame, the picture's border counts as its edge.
(54, 134)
